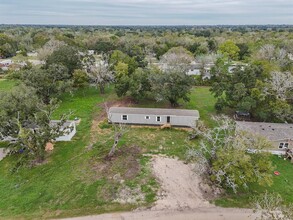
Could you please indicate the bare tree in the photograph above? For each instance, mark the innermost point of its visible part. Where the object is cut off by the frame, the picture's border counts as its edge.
(266, 52)
(176, 59)
(271, 207)
(100, 74)
(281, 84)
(119, 130)
(49, 48)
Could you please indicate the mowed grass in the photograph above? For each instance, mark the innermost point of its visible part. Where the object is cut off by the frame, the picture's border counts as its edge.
(202, 100)
(6, 85)
(282, 184)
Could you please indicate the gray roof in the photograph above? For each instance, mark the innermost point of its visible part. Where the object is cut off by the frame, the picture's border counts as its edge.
(272, 131)
(154, 111)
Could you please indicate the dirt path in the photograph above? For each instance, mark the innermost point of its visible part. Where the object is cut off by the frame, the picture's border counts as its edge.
(179, 199)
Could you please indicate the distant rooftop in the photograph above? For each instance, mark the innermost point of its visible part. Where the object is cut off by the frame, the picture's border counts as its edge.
(154, 111)
(272, 131)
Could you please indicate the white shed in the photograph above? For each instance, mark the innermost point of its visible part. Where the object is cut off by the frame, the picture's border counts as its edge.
(69, 128)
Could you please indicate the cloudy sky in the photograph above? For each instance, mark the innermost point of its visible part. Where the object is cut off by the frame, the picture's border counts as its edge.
(142, 12)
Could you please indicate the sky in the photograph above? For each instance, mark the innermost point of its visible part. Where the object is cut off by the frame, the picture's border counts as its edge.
(146, 12)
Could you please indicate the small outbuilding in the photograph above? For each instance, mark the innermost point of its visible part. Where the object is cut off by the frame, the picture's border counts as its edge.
(153, 116)
(69, 129)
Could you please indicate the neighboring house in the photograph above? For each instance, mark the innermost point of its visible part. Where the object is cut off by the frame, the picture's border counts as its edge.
(69, 128)
(232, 67)
(197, 72)
(4, 64)
(153, 116)
(279, 134)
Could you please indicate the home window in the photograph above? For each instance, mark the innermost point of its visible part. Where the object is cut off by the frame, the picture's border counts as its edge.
(281, 145)
(158, 118)
(124, 117)
(286, 145)
(147, 117)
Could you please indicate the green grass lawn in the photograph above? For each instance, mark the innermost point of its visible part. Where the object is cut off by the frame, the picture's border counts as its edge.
(6, 85)
(202, 100)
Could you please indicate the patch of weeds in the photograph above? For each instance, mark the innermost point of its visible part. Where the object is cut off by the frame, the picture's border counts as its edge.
(105, 125)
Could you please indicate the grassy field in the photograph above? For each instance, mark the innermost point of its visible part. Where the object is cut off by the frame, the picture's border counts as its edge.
(6, 85)
(77, 179)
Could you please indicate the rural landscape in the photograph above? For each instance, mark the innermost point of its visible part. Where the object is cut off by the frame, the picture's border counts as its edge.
(146, 122)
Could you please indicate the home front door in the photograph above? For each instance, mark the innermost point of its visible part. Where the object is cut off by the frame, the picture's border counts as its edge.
(168, 119)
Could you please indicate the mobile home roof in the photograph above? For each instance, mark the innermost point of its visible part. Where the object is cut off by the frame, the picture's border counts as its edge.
(154, 111)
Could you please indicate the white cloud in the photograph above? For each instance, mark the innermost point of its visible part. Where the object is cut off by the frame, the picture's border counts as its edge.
(146, 11)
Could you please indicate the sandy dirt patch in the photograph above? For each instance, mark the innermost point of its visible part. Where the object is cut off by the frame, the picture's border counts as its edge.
(179, 185)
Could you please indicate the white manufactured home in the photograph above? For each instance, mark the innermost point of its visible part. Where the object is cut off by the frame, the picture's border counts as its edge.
(153, 116)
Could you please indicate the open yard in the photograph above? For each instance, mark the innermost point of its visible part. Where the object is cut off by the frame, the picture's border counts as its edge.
(77, 179)
(6, 84)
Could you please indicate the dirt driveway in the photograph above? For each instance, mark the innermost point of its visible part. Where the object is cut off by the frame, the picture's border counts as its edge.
(179, 199)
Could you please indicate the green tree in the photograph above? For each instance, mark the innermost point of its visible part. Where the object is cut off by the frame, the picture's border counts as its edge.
(118, 56)
(48, 83)
(104, 46)
(67, 56)
(243, 51)
(8, 46)
(21, 102)
(171, 86)
(122, 80)
(139, 84)
(230, 50)
(80, 79)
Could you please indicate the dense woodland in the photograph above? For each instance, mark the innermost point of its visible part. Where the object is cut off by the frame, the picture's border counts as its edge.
(249, 69)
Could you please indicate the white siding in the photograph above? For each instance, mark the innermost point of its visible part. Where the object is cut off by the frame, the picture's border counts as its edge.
(186, 121)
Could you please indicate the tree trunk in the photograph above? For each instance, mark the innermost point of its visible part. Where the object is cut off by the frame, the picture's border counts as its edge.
(173, 103)
(116, 141)
(102, 89)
